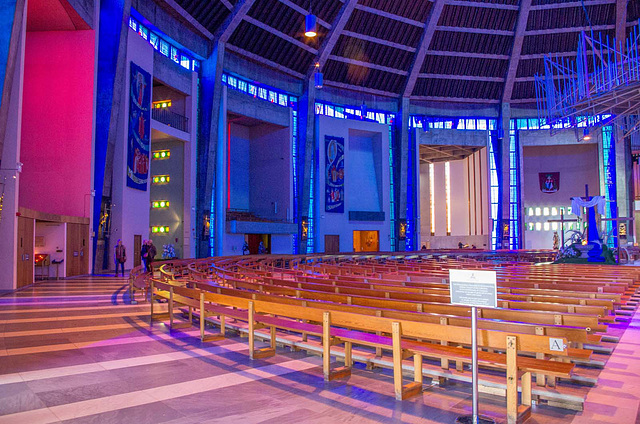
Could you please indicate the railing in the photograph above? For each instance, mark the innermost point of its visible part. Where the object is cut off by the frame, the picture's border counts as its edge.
(171, 119)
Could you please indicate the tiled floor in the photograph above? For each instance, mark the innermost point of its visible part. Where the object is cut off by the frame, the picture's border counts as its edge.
(72, 351)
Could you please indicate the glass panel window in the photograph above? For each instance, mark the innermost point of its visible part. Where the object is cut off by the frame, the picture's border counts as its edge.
(154, 40)
(174, 54)
(185, 62)
(164, 48)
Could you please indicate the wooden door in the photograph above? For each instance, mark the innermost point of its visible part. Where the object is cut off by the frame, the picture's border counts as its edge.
(254, 242)
(331, 243)
(24, 268)
(137, 247)
(77, 249)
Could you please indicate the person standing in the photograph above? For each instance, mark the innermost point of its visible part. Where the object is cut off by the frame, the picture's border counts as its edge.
(143, 253)
(151, 254)
(120, 256)
(261, 249)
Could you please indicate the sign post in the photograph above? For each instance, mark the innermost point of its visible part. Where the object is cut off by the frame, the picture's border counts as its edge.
(473, 288)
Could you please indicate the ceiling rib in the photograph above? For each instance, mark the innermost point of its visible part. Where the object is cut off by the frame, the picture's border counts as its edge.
(484, 5)
(240, 10)
(261, 59)
(570, 4)
(378, 41)
(621, 20)
(456, 99)
(280, 34)
(304, 12)
(468, 54)
(474, 30)
(568, 29)
(360, 88)
(461, 77)
(425, 41)
(367, 65)
(521, 26)
(227, 4)
(332, 37)
(390, 15)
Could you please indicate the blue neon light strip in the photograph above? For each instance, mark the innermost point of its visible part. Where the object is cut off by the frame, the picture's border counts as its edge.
(609, 167)
(494, 190)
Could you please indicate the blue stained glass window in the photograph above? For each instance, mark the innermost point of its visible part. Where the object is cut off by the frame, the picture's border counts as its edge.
(133, 24)
(282, 99)
(242, 86)
(174, 55)
(185, 62)
(262, 93)
(143, 32)
(253, 90)
(154, 40)
(273, 96)
(233, 82)
(164, 48)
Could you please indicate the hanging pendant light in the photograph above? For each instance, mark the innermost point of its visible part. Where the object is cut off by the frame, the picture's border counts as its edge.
(310, 25)
(318, 77)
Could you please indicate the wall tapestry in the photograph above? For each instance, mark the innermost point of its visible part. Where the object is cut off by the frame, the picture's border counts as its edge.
(138, 140)
(334, 174)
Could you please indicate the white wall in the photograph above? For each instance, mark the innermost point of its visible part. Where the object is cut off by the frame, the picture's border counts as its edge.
(469, 203)
(339, 223)
(55, 238)
(239, 155)
(280, 244)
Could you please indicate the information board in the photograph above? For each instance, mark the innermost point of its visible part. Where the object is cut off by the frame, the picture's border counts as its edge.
(473, 288)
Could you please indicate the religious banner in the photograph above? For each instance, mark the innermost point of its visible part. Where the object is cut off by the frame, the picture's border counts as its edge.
(334, 174)
(138, 141)
(549, 182)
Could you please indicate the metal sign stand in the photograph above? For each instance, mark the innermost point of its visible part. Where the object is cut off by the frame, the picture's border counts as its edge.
(486, 294)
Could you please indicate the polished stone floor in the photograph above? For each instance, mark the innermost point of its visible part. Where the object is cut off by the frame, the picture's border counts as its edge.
(74, 351)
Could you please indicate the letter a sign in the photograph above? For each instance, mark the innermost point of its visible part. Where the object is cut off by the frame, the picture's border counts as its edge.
(556, 345)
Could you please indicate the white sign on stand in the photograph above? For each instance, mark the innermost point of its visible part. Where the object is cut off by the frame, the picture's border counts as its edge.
(475, 288)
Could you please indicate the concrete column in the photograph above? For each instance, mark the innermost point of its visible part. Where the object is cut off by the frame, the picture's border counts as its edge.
(10, 155)
(402, 170)
(503, 174)
(624, 178)
(306, 143)
(210, 101)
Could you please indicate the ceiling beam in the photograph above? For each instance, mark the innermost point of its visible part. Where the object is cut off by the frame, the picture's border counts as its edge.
(621, 21)
(456, 99)
(185, 15)
(423, 46)
(332, 37)
(516, 49)
(367, 65)
(468, 54)
(280, 34)
(227, 4)
(570, 4)
(304, 12)
(260, 59)
(225, 30)
(469, 30)
(568, 29)
(461, 77)
(359, 88)
(390, 15)
(378, 41)
(483, 5)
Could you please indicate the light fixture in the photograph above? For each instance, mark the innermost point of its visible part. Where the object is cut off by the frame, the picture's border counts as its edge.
(310, 27)
(586, 136)
(318, 77)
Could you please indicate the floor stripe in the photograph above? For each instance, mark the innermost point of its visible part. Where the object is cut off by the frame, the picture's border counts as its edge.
(99, 343)
(74, 317)
(91, 328)
(157, 394)
(76, 308)
(120, 363)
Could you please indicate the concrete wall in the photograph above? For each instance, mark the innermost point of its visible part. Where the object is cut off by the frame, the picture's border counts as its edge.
(577, 164)
(339, 223)
(365, 170)
(57, 122)
(55, 239)
(240, 168)
(270, 194)
(130, 213)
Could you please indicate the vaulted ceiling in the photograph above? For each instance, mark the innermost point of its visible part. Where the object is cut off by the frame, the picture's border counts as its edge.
(469, 51)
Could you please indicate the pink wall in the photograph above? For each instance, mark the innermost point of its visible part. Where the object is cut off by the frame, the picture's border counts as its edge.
(57, 122)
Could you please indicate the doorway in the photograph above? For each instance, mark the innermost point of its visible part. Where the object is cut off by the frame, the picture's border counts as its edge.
(25, 266)
(137, 249)
(331, 243)
(366, 241)
(254, 242)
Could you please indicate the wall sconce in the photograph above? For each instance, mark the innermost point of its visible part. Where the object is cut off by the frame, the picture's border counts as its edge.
(161, 179)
